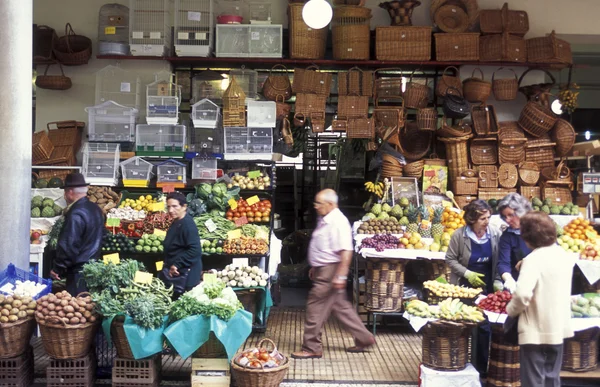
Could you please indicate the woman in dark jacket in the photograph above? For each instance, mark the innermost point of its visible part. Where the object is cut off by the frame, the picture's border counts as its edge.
(182, 267)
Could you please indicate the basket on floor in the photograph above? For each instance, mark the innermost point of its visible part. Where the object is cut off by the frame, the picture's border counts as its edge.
(414, 144)
(484, 151)
(414, 169)
(508, 176)
(427, 119)
(476, 89)
(384, 285)
(505, 89)
(211, 349)
(456, 154)
(264, 377)
(119, 338)
(15, 337)
(305, 42)
(580, 353)
(351, 33)
(488, 176)
(504, 368)
(62, 341)
(446, 345)
(485, 120)
(563, 135)
(529, 173)
(72, 49)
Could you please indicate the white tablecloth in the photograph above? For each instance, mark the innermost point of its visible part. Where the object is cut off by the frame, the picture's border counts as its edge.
(590, 269)
(581, 324)
(469, 377)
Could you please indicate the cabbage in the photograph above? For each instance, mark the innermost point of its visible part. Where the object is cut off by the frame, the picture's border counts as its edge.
(203, 191)
(219, 190)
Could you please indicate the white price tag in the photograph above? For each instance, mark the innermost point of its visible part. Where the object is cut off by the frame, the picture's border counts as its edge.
(239, 262)
(201, 36)
(125, 87)
(210, 225)
(138, 34)
(155, 35)
(195, 16)
(255, 35)
(183, 35)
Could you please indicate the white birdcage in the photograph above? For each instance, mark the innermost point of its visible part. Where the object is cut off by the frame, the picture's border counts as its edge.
(160, 138)
(162, 102)
(111, 122)
(204, 140)
(248, 143)
(149, 27)
(101, 163)
(136, 172)
(113, 30)
(262, 114)
(118, 85)
(247, 80)
(194, 21)
(208, 84)
(171, 172)
(249, 40)
(204, 168)
(205, 114)
(259, 12)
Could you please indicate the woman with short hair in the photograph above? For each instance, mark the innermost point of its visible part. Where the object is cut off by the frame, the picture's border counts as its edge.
(512, 248)
(542, 301)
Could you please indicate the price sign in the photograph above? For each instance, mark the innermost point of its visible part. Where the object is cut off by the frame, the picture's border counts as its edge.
(234, 234)
(111, 258)
(254, 174)
(239, 262)
(110, 30)
(142, 277)
(158, 232)
(113, 222)
(210, 225)
(168, 188)
(241, 221)
(252, 200)
(159, 265)
(210, 278)
(232, 204)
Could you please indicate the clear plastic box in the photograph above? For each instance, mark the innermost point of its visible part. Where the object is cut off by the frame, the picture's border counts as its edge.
(111, 122)
(205, 114)
(262, 114)
(171, 172)
(205, 169)
(231, 7)
(101, 163)
(162, 102)
(211, 89)
(136, 172)
(248, 143)
(160, 138)
(260, 41)
(259, 12)
(205, 140)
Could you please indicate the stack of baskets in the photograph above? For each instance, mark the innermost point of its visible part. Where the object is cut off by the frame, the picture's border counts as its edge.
(57, 146)
(384, 284)
(504, 367)
(503, 32)
(312, 87)
(455, 19)
(580, 352)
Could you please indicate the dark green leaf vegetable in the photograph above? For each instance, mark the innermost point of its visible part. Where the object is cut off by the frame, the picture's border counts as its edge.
(99, 276)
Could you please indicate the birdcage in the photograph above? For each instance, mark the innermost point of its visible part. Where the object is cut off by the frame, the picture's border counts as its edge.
(149, 27)
(208, 84)
(234, 108)
(111, 122)
(193, 27)
(101, 163)
(204, 168)
(205, 141)
(159, 140)
(262, 114)
(171, 172)
(118, 85)
(113, 30)
(247, 80)
(248, 143)
(136, 172)
(259, 12)
(162, 102)
(205, 114)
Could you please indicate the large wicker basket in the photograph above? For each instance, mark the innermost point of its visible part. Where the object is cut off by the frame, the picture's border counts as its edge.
(540, 151)
(351, 32)
(511, 150)
(277, 86)
(563, 135)
(414, 144)
(456, 154)
(549, 49)
(530, 192)
(446, 345)
(403, 43)
(119, 338)
(494, 193)
(485, 120)
(476, 89)
(416, 95)
(484, 151)
(536, 119)
(14, 337)
(457, 47)
(504, 367)
(508, 176)
(41, 147)
(580, 353)
(62, 341)
(427, 119)
(502, 48)
(351, 106)
(529, 173)
(497, 21)
(312, 81)
(265, 377)
(505, 89)
(465, 185)
(488, 176)
(72, 49)
(384, 285)
(448, 82)
(355, 82)
(305, 42)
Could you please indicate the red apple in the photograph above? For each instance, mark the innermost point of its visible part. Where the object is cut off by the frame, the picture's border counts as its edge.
(35, 235)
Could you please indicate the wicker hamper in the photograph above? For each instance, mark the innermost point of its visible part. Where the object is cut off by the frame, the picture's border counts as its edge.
(465, 185)
(355, 82)
(494, 193)
(508, 176)
(446, 345)
(312, 81)
(351, 106)
(305, 42)
(462, 201)
(457, 47)
(529, 173)
(502, 48)
(484, 151)
(563, 135)
(350, 28)
(388, 85)
(536, 119)
(540, 151)
(360, 128)
(384, 285)
(504, 367)
(488, 176)
(403, 43)
(530, 192)
(580, 353)
(485, 120)
(497, 21)
(549, 49)
(62, 341)
(41, 147)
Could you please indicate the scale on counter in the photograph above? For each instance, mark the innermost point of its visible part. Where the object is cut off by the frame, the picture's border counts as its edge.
(591, 186)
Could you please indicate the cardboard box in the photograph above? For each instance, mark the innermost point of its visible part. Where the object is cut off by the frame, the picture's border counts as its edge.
(587, 148)
(210, 373)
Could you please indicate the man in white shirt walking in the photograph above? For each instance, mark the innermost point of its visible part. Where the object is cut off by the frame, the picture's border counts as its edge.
(330, 255)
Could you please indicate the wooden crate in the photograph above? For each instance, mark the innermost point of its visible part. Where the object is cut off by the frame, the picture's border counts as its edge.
(210, 373)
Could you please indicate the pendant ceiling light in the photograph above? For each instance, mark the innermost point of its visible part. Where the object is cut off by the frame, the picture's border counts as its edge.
(317, 14)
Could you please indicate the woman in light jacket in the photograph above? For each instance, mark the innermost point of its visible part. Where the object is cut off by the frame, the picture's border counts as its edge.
(542, 301)
(473, 258)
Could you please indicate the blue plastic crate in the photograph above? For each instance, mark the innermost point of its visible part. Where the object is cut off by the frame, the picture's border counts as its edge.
(13, 274)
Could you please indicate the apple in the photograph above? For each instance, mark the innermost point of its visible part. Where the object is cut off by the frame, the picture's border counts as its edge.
(401, 246)
(35, 235)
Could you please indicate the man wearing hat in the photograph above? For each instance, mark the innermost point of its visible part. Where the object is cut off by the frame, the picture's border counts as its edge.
(81, 236)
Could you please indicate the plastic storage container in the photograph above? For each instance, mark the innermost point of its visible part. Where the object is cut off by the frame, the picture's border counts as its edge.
(231, 7)
(136, 172)
(205, 169)
(113, 30)
(249, 40)
(149, 27)
(193, 27)
(205, 114)
(101, 163)
(152, 139)
(259, 12)
(118, 85)
(111, 122)
(162, 102)
(171, 172)
(262, 114)
(248, 143)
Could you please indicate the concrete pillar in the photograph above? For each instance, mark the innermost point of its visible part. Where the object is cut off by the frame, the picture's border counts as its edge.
(16, 18)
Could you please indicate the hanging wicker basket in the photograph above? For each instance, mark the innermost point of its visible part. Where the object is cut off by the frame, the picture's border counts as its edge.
(277, 86)
(476, 89)
(72, 49)
(53, 82)
(355, 82)
(538, 92)
(505, 89)
(449, 82)
(414, 144)
(416, 95)
(427, 119)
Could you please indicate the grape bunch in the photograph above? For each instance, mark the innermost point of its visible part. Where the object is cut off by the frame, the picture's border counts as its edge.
(380, 242)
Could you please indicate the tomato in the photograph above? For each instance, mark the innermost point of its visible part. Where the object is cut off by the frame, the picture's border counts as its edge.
(236, 214)
(229, 217)
(229, 213)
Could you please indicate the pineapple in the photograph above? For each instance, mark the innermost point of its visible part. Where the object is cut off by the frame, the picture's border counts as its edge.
(437, 229)
(412, 213)
(425, 226)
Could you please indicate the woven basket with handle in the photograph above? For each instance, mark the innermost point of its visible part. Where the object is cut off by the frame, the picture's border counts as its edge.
(563, 135)
(277, 86)
(539, 91)
(414, 144)
(484, 151)
(355, 82)
(581, 351)
(536, 119)
(448, 81)
(260, 377)
(427, 119)
(497, 21)
(15, 337)
(476, 89)
(416, 95)
(72, 49)
(505, 89)
(485, 120)
(62, 341)
(53, 82)
(508, 176)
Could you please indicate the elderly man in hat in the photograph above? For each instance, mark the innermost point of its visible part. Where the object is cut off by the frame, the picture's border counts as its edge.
(81, 236)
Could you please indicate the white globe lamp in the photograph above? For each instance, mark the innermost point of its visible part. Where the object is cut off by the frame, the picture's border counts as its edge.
(317, 14)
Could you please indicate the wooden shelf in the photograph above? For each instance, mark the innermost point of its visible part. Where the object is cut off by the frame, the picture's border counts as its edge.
(213, 62)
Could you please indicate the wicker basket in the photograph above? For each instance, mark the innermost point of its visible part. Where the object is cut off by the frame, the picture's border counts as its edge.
(389, 117)
(563, 135)
(360, 128)
(355, 82)
(414, 144)
(50, 173)
(61, 156)
(434, 160)
(456, 154)
(15, 337)
(537, 92)
(505, 89)
(497, 21)
(470, 6)
(391, 166)
(488, 176)
(463, 201)
(351, 106)
(427, 119)
(277, 87)
(306, 104)
(305, 42)
(62, 341)
(53, 82)
(484, 151)
(580, 353)
(44, 41)
(549, 49)
(558, 196)
(400, 11)
(234, 105)
(485, 120)
(457, 47)
(511, 151)
(311, 81)
(529, 173)
(282, 109)
(502, 48)
(264, 377)
(211, 349)
(476, 89)
(541, 152)
(387, 86)
(119, 338)
(350, 28)
(41, 147)
(73, 49)
(446, 345)
(510, 130)
(414, 169)
(465, 185)
(536, 119)
(530, 192)
(384, 285)
(416, 95)
(448, 82)
(453, 131)
(508, 176)
(494, 193)
(504, 368)
(560, 172)
(452, 18)
(403, 43)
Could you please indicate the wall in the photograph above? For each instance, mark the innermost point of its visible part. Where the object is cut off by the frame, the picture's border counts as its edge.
(567, 17)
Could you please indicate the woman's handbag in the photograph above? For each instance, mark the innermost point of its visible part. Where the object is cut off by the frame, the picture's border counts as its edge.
(455, 106)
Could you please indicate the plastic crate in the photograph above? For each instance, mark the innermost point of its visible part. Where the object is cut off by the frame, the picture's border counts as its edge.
(13, 274)
(72, 372)
(17, 371)
(205, 169)
(130, 372)
(257, 41)
(246, 143)
(262, 114)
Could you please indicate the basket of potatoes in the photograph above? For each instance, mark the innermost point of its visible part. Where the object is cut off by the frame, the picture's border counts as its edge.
(67, 324)
(16, 324)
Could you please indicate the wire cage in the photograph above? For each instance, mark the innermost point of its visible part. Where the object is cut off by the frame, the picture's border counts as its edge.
(136, 172)
(118, 85)
(160, 138)
(205, 114)
(111, 122)
(162, 101)
(171, 172)
(194, 24)
(101, 163)
(113, 30)
(149, 27)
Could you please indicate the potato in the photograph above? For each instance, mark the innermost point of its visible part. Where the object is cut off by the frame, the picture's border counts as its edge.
(44, 298)
(74, 320)
(30, 312)
(14, 311)
(5, 312)
(3, 319)
(23, 307)
(32, 305)
(45, 311)
(82, 320)
(39, 315)
(52, 299)
(9, 300)
(52, 313)
(61, 314)
(12, 318)
(81, 303)
(51, 306)
(59, 295)
(64, 302)
(26, 300)
(45, 304)
(92, 319)
(78, 315)
(58, 308)
(89, 307)
(87, 314)
(69, 309)
(66, 320)
(17, 303)
(22, 314)
(69, 315)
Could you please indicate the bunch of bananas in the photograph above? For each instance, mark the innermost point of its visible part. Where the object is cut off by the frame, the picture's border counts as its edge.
(454, 310)
(421, 309)
(568, 99)
(376, 188)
